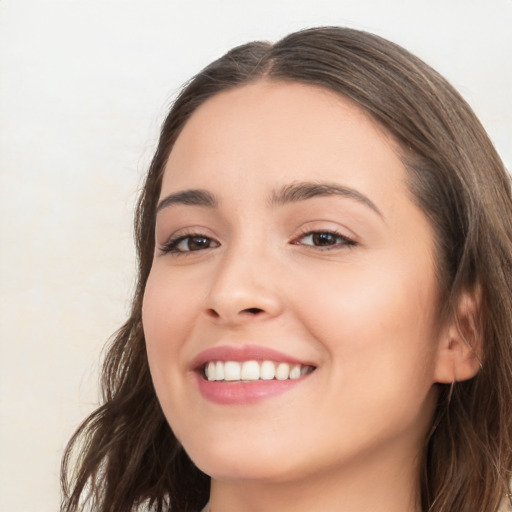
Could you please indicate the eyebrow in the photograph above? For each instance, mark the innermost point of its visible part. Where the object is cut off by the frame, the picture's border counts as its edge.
(190, 198)
(292, 193)
(307, 190)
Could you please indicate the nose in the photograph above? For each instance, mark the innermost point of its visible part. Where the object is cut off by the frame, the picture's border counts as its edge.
(244, 288)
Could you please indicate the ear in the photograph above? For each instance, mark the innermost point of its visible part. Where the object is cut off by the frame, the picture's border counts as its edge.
(460, 345)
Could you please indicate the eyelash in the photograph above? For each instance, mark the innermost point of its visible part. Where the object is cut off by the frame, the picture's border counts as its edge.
(171, 247)
(343, 241)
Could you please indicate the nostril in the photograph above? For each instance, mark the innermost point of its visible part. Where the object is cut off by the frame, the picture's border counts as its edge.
(252, 311)
(213, 313)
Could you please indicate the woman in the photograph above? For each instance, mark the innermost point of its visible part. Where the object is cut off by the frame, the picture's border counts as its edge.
(323, 316)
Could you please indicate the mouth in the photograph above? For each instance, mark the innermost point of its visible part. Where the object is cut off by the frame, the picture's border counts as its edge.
(253, 370)
(245, 374)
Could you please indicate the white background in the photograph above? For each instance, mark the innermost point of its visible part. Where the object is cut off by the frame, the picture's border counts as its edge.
(83, 88)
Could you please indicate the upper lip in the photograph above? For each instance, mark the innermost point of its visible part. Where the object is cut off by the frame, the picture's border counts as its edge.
(243, 353)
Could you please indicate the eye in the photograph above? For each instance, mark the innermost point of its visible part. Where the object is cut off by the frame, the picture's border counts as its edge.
(189, 243)
(327, 239)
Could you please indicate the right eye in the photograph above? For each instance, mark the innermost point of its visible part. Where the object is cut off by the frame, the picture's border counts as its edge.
(188, 243)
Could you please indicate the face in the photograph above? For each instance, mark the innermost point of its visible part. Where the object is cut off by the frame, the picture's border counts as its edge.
(290, 313)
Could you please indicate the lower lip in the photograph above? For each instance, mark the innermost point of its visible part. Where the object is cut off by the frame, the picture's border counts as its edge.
(232, 393)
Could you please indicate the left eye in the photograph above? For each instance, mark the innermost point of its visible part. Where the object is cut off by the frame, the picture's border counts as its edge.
(189, 243)
(324, 239)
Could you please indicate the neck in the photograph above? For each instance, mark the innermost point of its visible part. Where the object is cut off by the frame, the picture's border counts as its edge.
(364, 489)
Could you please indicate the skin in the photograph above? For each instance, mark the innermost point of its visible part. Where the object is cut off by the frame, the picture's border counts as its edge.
(348, 437)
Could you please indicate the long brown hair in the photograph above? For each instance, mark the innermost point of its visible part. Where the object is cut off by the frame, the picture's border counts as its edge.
(125, 455)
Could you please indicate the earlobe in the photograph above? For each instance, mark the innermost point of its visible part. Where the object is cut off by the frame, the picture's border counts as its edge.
(460, 345)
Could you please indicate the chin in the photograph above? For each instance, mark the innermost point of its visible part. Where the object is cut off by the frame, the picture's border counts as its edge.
(247, 464)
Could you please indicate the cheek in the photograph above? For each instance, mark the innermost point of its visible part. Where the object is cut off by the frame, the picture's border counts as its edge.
(167, 317)
(167, 309)
(377, 321)
(377, 328)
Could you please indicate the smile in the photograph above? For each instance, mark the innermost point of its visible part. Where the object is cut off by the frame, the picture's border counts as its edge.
(244, 374)
(253, 370)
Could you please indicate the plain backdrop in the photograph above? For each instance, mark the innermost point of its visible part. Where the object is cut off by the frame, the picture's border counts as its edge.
(83, 88)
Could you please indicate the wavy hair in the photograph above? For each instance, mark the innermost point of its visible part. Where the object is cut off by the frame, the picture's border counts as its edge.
(124, 457)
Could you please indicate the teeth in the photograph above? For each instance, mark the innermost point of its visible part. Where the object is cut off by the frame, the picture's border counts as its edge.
(295, 371)
(250, 370)
(219, 370)
(210, 371)
(267, 370)
(282, 371)
(232, 371)
(253, 370)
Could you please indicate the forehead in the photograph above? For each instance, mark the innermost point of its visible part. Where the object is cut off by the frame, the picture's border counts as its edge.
(290, 131)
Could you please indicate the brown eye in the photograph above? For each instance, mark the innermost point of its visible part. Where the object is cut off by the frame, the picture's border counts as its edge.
(189, 243)
(195, 243)
(325, 239)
